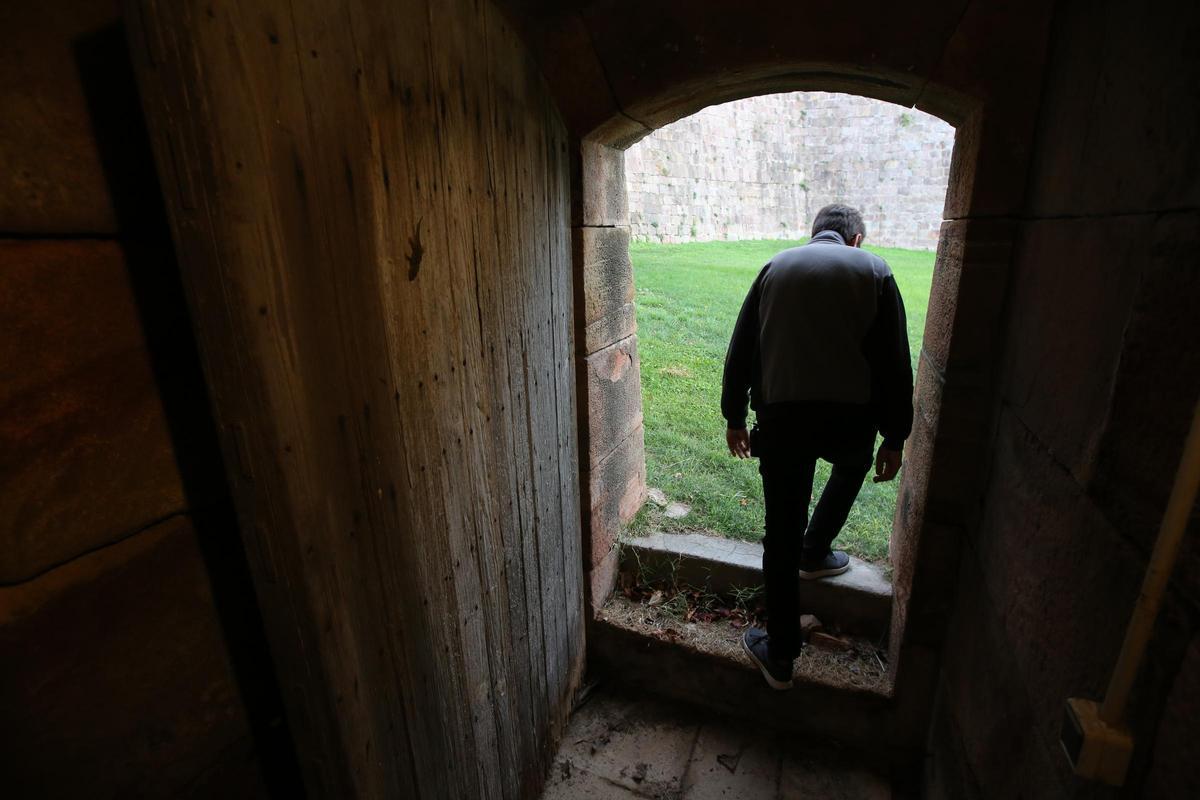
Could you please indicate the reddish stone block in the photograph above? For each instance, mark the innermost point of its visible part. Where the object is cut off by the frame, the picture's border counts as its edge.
(961, 182)
(910, 502)
(602, 256)
(601, 579)
(614, 398)
(604, 201)
(613, 326)
(943, 294)
(617, 490)
(927, 391)
(52, 178)
(119, 679)
(85, 451)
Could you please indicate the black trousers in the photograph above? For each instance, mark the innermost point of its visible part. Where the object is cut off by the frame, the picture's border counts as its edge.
(788, 441)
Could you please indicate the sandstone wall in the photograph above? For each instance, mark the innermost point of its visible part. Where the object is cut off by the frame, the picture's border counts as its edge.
(132, 656)
(761, 168)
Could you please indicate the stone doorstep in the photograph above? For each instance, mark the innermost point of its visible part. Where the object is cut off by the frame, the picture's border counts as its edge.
(842, 715)
(858, 601)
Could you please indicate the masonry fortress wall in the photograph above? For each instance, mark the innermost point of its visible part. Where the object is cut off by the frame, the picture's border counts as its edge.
(760, 168)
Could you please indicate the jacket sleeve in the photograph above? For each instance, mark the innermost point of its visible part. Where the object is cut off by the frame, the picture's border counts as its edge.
(741, 358)
(891, 367)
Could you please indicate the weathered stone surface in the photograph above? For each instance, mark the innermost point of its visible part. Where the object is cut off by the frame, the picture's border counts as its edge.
(86, 455)
(611, 327)
(607, 312)
(603, 201)
(911, 501)
(631, 746)
(1175, 768)
(937, 498)
(582, 91)
(600, 580)
(727, 763)
(943, 294)
(859, 600)
(1001, 113)
(667, 65)
(617, 490)
(815, 774)
(1074, 284)
(761, 168)
(924, 591)
(51, 170)
(851, 716)
(927, 391)
(1154, 392)
(118, 680)
(614, 398)
(985, 698)
(568, 782)
(967, 296)
(1060, 611)
(1138, 153)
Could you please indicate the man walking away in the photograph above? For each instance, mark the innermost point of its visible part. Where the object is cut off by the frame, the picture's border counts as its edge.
(820, 351)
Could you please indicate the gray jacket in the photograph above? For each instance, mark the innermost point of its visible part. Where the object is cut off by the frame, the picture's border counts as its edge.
(822, 324)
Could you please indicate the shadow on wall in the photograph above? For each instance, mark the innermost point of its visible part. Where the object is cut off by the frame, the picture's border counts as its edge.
(106, 74)
(761, 167)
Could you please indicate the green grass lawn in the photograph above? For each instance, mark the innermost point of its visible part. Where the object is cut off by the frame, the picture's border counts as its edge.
(688, 297)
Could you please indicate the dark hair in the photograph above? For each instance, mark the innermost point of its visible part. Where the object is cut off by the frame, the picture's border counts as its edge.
(841, 219)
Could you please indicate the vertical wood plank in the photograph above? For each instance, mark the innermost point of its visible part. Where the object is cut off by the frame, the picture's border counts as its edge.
(371, 207)
(372, 217)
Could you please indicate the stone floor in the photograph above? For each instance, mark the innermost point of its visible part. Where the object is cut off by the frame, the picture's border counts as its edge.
(619, 746)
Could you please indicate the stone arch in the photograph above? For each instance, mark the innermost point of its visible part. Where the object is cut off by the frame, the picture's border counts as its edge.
(954, 364)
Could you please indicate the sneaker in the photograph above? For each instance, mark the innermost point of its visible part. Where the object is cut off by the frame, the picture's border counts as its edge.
(835, 563)
(778, 673)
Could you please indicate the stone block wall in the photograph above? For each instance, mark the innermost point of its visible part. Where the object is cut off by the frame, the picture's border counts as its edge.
(762, 167)
(132, 655)
(612, 440)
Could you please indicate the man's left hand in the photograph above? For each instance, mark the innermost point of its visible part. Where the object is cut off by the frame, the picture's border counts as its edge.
(738, 442)
(887, 464)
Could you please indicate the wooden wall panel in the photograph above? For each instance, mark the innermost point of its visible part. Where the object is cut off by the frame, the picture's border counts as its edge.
(371, 205)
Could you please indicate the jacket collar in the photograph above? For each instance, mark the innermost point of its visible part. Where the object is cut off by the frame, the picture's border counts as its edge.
(828, 236)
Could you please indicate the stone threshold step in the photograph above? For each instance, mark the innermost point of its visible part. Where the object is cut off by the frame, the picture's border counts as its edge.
(858, 601)
(877, 720)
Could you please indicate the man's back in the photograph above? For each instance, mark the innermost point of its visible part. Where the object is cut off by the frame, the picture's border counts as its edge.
(816, 306)
(823, 323)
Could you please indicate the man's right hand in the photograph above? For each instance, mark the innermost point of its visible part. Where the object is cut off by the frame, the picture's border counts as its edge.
(887, 464)
(738, 442)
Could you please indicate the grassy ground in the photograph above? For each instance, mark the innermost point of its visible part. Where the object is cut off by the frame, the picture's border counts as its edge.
(688, 297)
